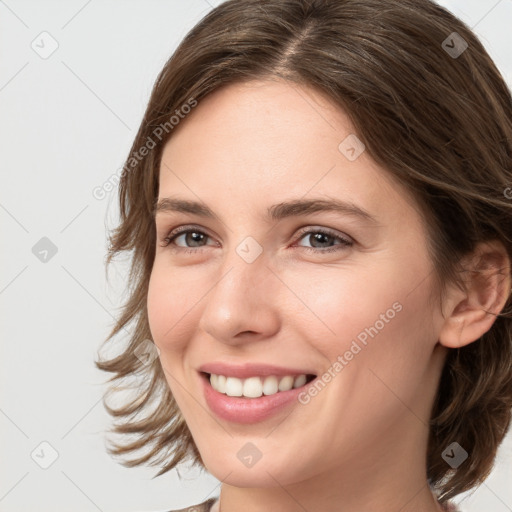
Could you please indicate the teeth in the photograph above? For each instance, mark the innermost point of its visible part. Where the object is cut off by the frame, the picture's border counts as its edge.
(254, 387)
(221, 383)
(299, 381)
(286, 383)
(234, 387)
(270, 385)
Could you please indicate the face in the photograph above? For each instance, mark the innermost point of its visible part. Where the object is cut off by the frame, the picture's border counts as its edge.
(338, 293)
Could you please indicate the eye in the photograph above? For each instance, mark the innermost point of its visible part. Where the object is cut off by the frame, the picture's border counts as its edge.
(322, 239)
(193, 236)
(194, 239)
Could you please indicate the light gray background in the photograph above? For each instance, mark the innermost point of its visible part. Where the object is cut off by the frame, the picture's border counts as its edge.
(67, 123)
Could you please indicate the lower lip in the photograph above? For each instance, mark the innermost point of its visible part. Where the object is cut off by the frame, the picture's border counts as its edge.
(249, 410)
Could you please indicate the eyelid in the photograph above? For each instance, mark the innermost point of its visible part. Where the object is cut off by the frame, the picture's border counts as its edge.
(173, 233)
(331, 232)
(346, 241)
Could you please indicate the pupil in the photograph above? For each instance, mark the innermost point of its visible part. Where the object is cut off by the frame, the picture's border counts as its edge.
(193, 235)
(318, 237)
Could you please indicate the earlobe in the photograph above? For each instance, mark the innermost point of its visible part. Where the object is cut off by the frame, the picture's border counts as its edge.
(472, 312)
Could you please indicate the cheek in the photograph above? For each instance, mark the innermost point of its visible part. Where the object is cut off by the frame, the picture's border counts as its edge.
(171, 322)
(158, 303)
(380, 306)
(170, 309)
(383, 335)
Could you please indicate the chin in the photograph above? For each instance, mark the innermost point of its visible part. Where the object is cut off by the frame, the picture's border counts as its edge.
(265, 472)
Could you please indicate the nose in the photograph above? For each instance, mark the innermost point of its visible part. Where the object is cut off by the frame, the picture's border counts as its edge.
(242, 305)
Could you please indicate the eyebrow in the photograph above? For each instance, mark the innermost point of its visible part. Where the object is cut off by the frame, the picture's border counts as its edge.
(275, 212)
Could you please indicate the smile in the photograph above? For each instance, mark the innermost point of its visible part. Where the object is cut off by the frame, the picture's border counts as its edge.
(283, 393)
(255, 387)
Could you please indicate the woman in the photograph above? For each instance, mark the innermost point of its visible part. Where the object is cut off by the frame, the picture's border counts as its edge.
(316, 202)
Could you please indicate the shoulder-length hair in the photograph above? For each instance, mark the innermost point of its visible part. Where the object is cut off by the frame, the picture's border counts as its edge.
(431, 108)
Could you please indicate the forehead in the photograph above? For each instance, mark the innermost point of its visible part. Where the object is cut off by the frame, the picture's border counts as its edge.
(263, 142)
(256, 121)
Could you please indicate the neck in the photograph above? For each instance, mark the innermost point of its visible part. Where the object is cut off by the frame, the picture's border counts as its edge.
(295, 499)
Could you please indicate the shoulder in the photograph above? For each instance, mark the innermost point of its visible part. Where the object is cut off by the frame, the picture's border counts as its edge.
(205, 506)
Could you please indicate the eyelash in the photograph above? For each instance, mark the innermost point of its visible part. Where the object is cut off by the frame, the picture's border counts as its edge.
(190, 229)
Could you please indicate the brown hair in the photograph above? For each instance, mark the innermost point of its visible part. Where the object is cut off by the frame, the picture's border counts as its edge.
(440, 123)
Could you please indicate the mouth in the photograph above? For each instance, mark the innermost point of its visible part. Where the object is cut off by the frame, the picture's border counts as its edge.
(256, 398)
(256, 386)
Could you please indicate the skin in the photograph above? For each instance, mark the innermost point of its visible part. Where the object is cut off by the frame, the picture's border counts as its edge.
(360, 444)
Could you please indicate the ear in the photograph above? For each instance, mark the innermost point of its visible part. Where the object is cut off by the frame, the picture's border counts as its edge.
(471, 312)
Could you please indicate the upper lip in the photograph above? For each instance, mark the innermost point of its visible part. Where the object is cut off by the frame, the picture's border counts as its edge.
(250, 370)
